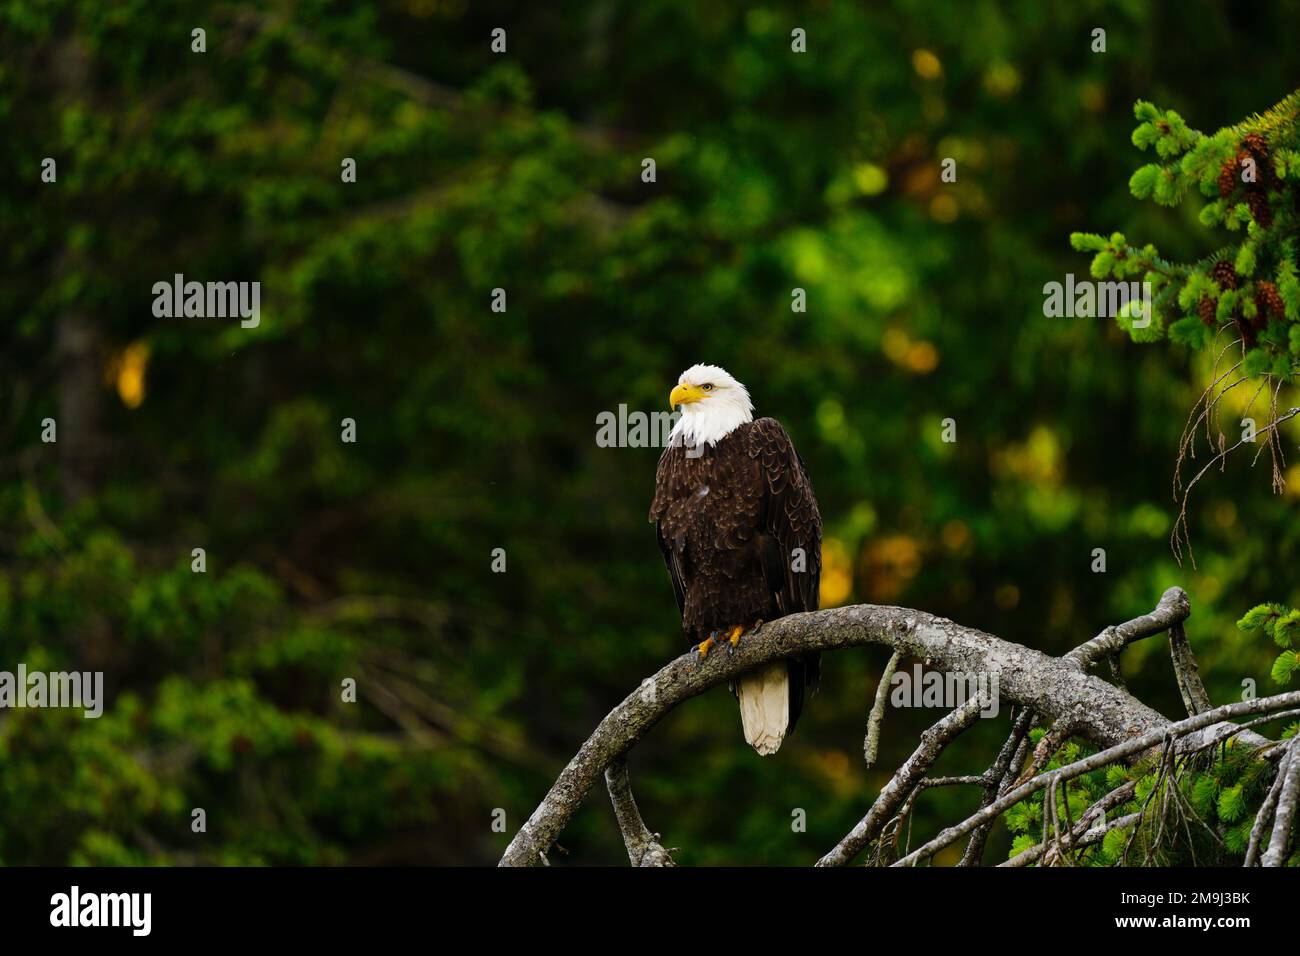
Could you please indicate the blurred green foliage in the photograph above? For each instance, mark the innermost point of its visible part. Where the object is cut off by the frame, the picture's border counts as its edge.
(476, 429)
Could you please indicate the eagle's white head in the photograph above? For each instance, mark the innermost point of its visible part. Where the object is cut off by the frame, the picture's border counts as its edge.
(712, 402)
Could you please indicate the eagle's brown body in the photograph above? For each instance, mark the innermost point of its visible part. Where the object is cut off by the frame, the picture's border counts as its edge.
(730, 518)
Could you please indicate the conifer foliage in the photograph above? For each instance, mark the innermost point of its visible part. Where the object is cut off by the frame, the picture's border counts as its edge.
(1248, 288)
(1282, 624)
(1245, 295)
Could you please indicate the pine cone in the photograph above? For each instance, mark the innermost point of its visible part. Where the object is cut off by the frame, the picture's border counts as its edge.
(1265, 176)
(1259, 210)
(1269, 300)
(1227, 179)
(1224, 275)
(1257, 145)
(1206, 309)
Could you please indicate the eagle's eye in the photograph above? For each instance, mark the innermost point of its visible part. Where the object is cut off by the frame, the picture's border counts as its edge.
(707, 388)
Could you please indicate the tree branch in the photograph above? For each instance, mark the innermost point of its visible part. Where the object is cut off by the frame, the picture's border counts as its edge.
(1079, 835)
(1186, 729)
(1000, 776)
(1287, 799)
(909, 775)
(1195, 698)
(1052, 687)
(643, 847)
(871, 745)
(1174, 608)
(1266, 809)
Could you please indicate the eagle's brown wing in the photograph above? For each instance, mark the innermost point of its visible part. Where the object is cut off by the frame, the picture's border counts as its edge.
(791, 539)
(674, 569)
(791, 521)
(666, 480)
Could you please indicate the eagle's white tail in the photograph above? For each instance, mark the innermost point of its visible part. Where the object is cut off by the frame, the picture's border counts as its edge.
(765, 706)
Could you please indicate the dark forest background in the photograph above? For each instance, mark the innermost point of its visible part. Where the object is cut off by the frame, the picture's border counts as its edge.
(476, 429)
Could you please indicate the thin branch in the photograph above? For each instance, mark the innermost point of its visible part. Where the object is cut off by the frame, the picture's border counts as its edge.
(1193, 692)
(1051, 742)
(643, 847)
(1174, 608)
(1082, 839)
(1000, 776)
(1266, 809)
(961, 780)
(932, 744)
(1130, 748)
(1287, 799)
(1222, 457)
(871, 745)
(889, 835)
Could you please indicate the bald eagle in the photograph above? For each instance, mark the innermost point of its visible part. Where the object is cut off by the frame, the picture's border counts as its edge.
(739, 529)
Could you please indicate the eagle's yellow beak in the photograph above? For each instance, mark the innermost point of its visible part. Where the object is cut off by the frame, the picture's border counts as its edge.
(684, 395)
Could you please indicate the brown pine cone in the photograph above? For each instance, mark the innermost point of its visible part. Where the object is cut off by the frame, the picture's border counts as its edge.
(1206, 309)
(1265, 176)
(1269, 300)
(1227, 179)
(1257, 200)
(1224, 275)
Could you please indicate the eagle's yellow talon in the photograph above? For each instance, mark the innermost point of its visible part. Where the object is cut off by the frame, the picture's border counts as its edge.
(705, 645)
(734, 635)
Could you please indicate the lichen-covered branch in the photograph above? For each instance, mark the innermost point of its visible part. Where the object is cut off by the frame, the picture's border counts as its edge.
(1287, 799)
(871, 744)
(1051, 686)
(1195, 698)
(1173, 609)
(643, 847)
(1267, 809)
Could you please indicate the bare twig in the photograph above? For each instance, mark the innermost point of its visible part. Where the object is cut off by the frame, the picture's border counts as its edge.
(1051, 742)
(1221, 457)
(1081, 838)
(643, 847)
(871, 746)
(932, 744)
(1000, 776)
(888, 841)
